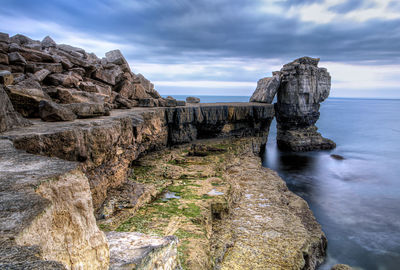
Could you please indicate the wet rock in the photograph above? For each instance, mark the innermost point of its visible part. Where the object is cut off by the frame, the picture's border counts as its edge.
(132, 250)
(9, 118)
(337, 157)
(6, 78)
(266, 90)
(303, 87)
(192, 100)
(48, 42)
(180, 103)
(51, 112)
(341, 267)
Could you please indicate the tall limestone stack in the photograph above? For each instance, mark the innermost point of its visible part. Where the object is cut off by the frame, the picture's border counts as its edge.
(303, 87)
(300, 86)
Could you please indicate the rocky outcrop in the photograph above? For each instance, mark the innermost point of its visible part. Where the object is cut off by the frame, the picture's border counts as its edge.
(65, 74)
(301, 86)
(47, 219)
(47, 194)
(107, 145)
(192, 100)
(226, 209)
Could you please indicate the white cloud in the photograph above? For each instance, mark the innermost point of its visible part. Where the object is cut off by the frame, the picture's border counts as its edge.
(322, 12)
(363, 76)
(60, 33)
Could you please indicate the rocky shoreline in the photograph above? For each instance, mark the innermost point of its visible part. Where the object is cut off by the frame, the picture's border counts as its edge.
(87, 144)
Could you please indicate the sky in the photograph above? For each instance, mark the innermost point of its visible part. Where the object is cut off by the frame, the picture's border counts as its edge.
(222, 47)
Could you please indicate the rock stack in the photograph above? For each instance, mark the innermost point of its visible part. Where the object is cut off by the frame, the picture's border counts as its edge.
(58, 82)
(300, 86)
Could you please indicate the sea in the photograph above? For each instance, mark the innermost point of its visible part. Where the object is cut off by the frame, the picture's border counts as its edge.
(356, 200)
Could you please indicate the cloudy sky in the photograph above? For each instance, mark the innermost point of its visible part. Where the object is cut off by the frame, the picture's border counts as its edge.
(222, 47)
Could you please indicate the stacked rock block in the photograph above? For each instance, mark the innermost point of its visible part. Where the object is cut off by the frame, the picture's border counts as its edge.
(300, 87)
(58, 82)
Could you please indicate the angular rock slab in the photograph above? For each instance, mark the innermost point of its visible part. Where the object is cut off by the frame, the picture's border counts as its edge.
(132, 250)
(266, 90)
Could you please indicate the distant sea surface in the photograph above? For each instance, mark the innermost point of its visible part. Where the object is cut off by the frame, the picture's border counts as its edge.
(356, 200)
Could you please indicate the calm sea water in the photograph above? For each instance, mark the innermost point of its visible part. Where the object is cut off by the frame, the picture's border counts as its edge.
(356, 200)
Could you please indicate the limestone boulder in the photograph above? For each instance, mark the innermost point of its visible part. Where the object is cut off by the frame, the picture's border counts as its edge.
(48, 42)
(87, 110)
(132, 250)
(4, 37)
(73, 95)
(116, 57)
(266, 90)
(9, 118)
(16, 58)
(51, 112)
(41, 74)
(66, 80)
(4, 59)
(6, 78)
(192, 100)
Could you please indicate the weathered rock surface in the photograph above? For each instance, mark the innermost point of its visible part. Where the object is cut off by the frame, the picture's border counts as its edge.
(9, 118)
(47, 216)
(132, 250)
(226, 209)
(303, 87)
(107, 145)
(266, 90)
(52, 112)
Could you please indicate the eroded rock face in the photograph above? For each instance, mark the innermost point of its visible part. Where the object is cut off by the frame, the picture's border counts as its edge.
(266, 90)
(303, 87)
(300, 86)
(47, 219)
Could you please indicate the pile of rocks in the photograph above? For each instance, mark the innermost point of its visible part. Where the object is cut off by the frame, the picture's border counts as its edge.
(58, 82)
(300, 86)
